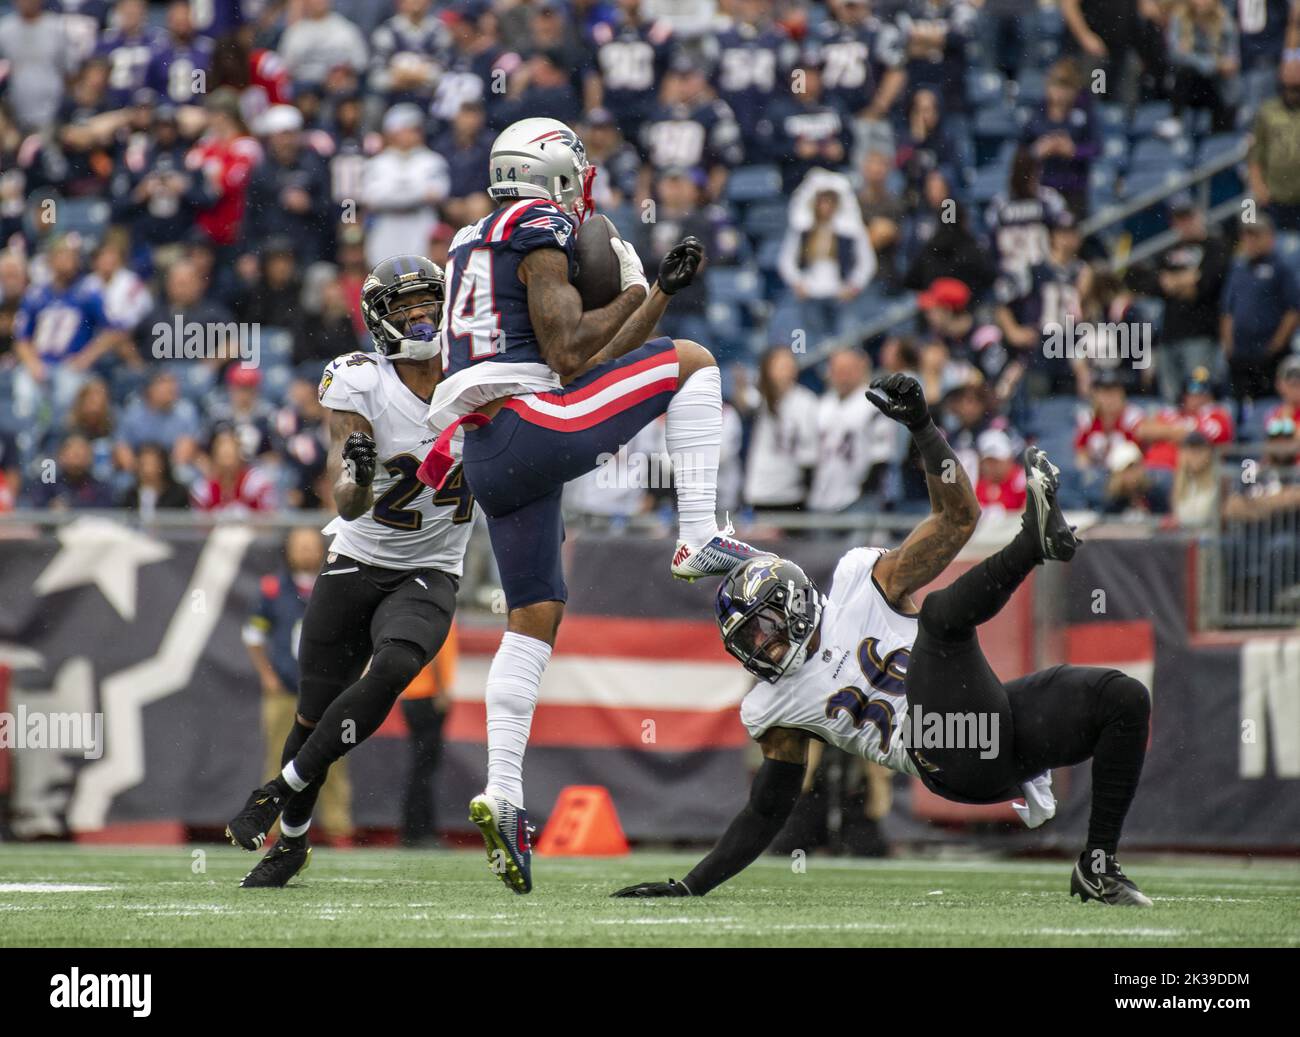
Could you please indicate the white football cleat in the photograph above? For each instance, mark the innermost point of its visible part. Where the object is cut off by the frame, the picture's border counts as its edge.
(718, 557)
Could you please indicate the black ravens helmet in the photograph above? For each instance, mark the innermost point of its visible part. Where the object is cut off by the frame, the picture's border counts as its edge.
(768, 611)
(401, 302)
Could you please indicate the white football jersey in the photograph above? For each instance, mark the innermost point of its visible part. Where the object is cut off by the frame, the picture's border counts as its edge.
(850, 693)
(408, 527)
(853, 437)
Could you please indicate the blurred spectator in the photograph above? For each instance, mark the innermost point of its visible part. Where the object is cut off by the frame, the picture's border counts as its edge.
(126, 296)
(91, 416)
(1064, 137)
(863, 59)
(826, 258)
(231, 483)
(856, 442)
(541, 86)
(752, 60)
(155, 486)
(13, 286)
(1203, 51)
(329, 331)
(936, 34)
(1188, 276)
(1196, 485)
(1163, 434)
(1131, 486)
(883, 213)
(1110, 420)
(183, 300)
(621, 487)
(225, 157)
(616, 161)
(160, 415)
(631, 55)
(256, 73)
(1122, 39)
(783, 444)
(70, 482)
(288, 193)
(181, 59)
(80, 134)
(1275, 141)
(1264, 29)
(680, 210)
(809, 130)
(1288, 388)
(1260, 312)
(401, 188)
(243, 410)
(947, 247)
(923, 147)
(154, 194)
(466, 147)
(1018, 220)
(320, 40)
(128, 46)
(690, 129)
(1001, 479)
(274, 300)
(36, 54)
(60, 332)
(1270, 486)
(404, 53)
(303, 433)
(271, 637)
(1105, 338)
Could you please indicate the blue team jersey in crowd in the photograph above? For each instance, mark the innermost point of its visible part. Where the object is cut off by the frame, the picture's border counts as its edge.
(171, 69)
(128, 60)
(487, 304)
(60, 324)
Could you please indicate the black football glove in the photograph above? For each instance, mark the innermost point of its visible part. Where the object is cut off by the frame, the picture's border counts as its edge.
(900, 396)
(671, 888)
(680, 265)
(359, 456)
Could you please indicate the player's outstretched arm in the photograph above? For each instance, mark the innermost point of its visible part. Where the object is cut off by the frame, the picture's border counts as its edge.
(771, 798)
(352, 461)
(954, 509)
(567, 337)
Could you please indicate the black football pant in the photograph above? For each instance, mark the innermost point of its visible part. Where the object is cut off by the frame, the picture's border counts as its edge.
(1054, 718)
(394, 620)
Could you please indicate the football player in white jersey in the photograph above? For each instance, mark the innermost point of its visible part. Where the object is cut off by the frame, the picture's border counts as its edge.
(862, 666)
(386, 594)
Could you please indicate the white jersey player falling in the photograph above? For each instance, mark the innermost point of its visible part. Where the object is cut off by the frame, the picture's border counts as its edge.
(409, 526)
(850, 693)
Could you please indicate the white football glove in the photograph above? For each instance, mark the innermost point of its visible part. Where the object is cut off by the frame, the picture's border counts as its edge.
(630, 271)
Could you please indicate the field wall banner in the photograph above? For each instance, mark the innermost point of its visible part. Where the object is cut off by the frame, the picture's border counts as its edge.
(141, 632)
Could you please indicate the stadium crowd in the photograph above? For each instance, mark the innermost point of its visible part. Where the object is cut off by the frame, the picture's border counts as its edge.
(242, 164)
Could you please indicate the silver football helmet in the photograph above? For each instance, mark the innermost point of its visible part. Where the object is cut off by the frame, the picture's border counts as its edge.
(542, 158)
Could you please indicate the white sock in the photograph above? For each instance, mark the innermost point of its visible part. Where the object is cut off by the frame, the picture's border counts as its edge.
(290, 775)
(694, 434)
(513, 680)
(293, 831)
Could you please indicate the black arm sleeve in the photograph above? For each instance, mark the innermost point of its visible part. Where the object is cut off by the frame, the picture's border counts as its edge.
(771, 798)
(933, 448)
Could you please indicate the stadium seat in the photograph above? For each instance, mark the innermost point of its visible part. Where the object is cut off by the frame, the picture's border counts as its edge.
(766, 219)
(1153, 153)
(989, 180)
(769, 252)
(275, 382)
(753, 183)
(1148, 117)
(732, 284)
(984, 87)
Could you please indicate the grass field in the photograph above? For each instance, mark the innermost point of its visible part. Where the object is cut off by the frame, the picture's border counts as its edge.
(58, 895)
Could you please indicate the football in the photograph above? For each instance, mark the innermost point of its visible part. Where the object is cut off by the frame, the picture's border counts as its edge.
(597, 279)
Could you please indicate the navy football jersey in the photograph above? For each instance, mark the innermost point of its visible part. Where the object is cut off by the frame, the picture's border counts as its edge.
(631, 59)
(753, 70)
(854, 57)
(682, 136)
(486, 315)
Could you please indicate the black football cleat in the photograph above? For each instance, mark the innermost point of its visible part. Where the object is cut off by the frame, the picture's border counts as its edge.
(1111, 886)
(282, 862)
(1043, 515)
(249, 827)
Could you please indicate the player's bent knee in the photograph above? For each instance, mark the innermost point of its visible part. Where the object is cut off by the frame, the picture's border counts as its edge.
(396, 663)
(691, 357)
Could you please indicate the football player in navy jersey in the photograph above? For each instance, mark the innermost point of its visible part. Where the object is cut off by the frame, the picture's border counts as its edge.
(544, 390)
(809, 130)
(862, 59)
(752, 62)
(631, 57)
